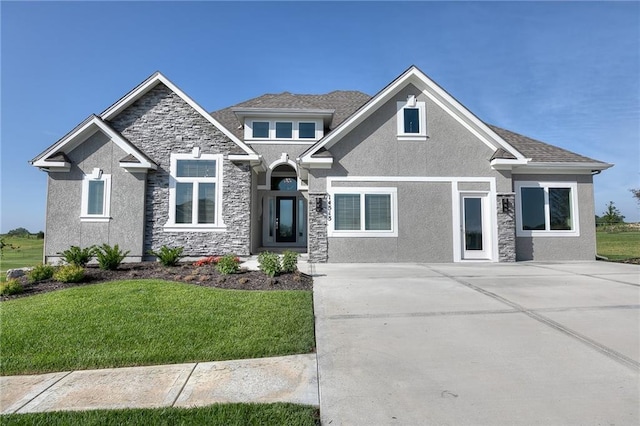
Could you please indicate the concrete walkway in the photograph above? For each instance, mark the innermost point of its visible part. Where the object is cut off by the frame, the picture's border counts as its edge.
(478, 344)
(279, 379)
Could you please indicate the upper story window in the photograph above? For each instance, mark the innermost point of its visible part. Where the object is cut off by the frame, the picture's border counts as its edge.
(284, 130)
(546, 209)
(96, 197)
(194, 192)
(411, 119)
(300, 131)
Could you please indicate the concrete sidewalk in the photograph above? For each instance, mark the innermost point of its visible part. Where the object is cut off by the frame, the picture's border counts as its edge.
(278, 379)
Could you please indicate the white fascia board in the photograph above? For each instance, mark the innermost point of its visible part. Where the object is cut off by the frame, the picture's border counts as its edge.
(51, 166)
(281, 112)
(316, 163)
(416, 77)
(149, 84)
(507, 164)
(560, 168)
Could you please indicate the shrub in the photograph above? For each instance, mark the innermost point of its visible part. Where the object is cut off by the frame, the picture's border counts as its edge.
(211, 260)
(108, 257)
(40, 273)
(11, 287)
(289, 261)
(269, 263)
(69, 274)
(168, 256)
(228, 264)
(77, 256)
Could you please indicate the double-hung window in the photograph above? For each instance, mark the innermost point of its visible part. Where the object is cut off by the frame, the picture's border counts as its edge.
(411, 118)
(96, 197)
(194, 192)
(546, 209)
(364, 212)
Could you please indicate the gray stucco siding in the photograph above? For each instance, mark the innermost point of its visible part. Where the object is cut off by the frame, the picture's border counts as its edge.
(160, 124)
(424, 228)
(582, 247)
(64, 226)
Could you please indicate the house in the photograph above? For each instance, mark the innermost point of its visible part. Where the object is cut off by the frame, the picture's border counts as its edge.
(408, 175)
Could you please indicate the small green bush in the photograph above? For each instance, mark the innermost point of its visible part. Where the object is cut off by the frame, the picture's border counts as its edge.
(168, 256)
(69, 274)
(40, 273)
(228, 264)
(269, 263)
(108, 257)
(78, 256)
(11, 287)
(289, 261)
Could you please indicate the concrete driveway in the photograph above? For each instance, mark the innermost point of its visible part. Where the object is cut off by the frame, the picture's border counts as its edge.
(526, 343)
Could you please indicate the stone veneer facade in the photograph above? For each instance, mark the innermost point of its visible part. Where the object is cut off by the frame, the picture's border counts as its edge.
(317, 238)
(161, 123)
(506, 228)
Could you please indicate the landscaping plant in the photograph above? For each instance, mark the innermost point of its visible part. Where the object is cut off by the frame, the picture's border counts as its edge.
(40, 272)
(168, 256)
(78, 256)
(289, 261)
(269, 263)
(11, 287)
(69, 274)
(229, 264)
(108, 257)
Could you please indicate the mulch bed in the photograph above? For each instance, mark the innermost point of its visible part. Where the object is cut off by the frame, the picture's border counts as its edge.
(205, 276)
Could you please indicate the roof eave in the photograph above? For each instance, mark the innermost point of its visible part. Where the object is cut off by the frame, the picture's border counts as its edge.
(561, 167)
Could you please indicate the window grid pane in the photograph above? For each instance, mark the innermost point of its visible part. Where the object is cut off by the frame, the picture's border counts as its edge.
(206, 202)
(260, 129)
(184, 202)
(533, 216)
(377, 212)
(96, 197)
(560, 209)
(411, 120)
(284, 130)
(307, 130)
(196, 168)
(347, 212)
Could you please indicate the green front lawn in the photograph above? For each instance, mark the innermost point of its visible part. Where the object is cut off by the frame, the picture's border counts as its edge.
(147, 322)
(25, 252)
(219, 414)
(618, 245)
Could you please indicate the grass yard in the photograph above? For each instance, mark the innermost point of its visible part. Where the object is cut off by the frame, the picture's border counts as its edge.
(27, 252)
(148, 322)
(219, 414)
(618, 245)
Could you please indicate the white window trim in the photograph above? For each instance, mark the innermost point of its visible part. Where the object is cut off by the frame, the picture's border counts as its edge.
(171, 225)
(105, 216)
(575, 232)
(362, 191)
(295, 135)
(422, 115)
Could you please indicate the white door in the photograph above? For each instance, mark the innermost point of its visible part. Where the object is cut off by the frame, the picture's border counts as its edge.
(475, 227)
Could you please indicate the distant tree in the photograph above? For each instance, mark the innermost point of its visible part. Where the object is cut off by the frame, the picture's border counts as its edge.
(611, 215)
(40, 235)
(636, 194)
(19, 232)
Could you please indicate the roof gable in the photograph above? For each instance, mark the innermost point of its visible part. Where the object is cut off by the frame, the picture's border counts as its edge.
(438, 95)
(153, 81)
(54, 158)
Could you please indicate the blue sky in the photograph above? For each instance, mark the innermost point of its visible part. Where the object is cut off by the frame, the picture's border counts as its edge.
(565, 73)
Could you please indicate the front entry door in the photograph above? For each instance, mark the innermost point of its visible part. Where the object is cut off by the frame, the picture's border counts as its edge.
(475, 235)
(285, 219)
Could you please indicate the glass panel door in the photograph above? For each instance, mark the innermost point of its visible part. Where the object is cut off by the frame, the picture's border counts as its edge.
(286, 219)
(475, 227)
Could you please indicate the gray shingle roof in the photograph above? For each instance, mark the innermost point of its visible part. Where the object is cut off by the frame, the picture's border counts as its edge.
(538, 151)
(343, 102)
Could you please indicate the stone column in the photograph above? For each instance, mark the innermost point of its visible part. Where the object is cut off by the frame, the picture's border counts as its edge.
(318, 242)
(506, 209)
